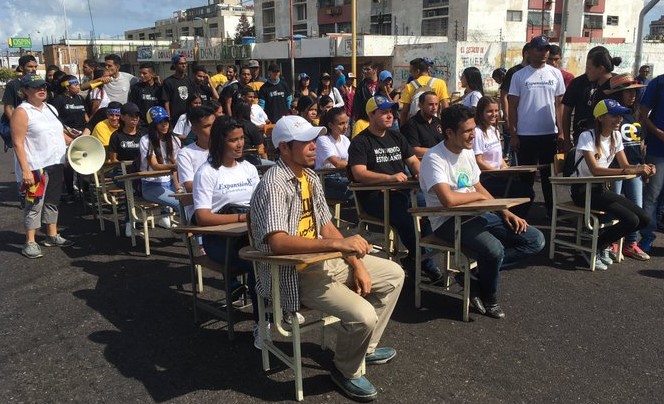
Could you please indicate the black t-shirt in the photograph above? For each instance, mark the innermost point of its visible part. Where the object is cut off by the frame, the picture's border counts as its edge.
(71, 110)
(581, 96)
(385, 155)
(420, 133)
(175, 91)
(205, 91)
(231, 91)
(12, 94)
(505, 86)
(145, 97)
(126, 146)
(252, 135)
(276, 99)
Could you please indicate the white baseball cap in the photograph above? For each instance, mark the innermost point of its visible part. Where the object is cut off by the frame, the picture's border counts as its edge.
(294, 127)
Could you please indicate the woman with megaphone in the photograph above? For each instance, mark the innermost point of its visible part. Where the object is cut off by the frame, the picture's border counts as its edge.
(40, 145)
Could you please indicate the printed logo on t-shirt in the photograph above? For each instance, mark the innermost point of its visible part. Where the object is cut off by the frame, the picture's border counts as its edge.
(235, 187)
(389, 154)
(463, 181)
(183, 92)
(129, 144)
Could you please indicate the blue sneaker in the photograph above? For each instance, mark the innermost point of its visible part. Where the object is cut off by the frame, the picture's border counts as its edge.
(380, 356)
(359, 389)
(646, 243)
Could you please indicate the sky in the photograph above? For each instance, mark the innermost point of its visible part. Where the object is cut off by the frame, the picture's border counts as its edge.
(45, 19)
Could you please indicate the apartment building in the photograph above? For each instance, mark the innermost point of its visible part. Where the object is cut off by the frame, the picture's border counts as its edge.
(475, 20)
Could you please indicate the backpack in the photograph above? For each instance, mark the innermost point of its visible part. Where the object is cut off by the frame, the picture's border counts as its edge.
(5, 132)
(571, 164)
(419, 90)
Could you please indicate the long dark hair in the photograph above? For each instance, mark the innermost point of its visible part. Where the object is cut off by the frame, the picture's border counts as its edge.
(154, 146)
(482, 104)
(220, 129)
(598, 139)
(242, 111)
(190, 101)
(474, 79)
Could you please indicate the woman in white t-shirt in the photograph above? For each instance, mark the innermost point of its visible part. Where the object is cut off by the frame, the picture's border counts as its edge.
(332, 152)
(489, 156)
(222, 191)
(594, 153)
(159, 149)
(471, 81)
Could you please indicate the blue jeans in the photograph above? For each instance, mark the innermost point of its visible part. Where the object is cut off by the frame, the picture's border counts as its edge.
(651, 192)
(159, 192)
(401, 219)
(494, 246)
(215, 248)
(633, 190)
(336, 187)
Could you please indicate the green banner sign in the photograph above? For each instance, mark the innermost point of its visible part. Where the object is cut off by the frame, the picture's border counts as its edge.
(20, 42)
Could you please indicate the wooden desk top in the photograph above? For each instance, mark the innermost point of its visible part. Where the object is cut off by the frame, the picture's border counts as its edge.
(252, 254)
(326, 171)
(411, 183)
(143, 174)
(224, 230)
(472, 208)
(514, 170)
(590, 180)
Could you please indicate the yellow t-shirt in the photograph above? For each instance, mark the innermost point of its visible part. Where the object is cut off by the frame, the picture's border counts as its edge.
(103, 132)
(218, 79)
(439, 87)
(307, 226)
(358, 127)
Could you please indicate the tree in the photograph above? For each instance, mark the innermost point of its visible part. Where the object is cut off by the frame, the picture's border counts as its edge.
(7, 74)
(244, 28)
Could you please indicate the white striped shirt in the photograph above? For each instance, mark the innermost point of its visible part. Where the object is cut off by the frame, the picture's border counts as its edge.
(276, 206)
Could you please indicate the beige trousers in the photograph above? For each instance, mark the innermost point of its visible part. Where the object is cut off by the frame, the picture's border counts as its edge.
(327, 287)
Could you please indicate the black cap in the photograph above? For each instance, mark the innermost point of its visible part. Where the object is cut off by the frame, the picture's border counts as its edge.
(274, 68)
(130, 109)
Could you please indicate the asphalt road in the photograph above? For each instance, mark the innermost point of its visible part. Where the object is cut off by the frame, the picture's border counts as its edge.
(99, 322)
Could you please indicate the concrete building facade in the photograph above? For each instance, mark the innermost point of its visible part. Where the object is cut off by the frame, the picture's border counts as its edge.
(464, 20)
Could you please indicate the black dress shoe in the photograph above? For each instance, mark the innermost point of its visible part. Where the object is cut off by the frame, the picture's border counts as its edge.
(495, 311)
(476, 302)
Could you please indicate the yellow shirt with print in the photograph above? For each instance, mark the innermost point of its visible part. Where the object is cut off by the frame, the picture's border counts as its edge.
(307, 225)
(439, 87)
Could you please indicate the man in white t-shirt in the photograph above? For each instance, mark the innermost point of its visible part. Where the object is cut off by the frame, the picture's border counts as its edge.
(118, 88)
(191, 157)
(535, 111)
(450, 176)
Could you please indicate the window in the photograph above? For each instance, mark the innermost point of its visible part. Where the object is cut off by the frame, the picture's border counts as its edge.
(300, 12)
(434, 3)
(514, 15)
(434, 27)
(535, 19)
(300, 29)
(185, 31)
(381, 24)
(268, 18)
(141, 35)
(169, 33)
(198, 31)
(130, 36)
(268, 34)
(592, 21)
(434, 13)
(612, 20)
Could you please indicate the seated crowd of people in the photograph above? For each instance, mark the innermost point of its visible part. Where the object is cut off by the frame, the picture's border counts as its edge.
(215, 133)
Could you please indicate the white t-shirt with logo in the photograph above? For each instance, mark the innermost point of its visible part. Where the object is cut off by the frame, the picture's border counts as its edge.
(441, 166)
(587, 143)
(146, 151)
(537, 90)
(488, 145)
(327, 147)
(215, 188)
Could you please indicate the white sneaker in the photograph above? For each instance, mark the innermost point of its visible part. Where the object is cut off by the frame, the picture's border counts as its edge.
(288, 318)
(164, 222)
(258, 343)
(129, 229)
(598, 262)
(605, 256)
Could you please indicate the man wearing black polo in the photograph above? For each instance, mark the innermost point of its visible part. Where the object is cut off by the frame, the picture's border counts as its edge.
(423, 131)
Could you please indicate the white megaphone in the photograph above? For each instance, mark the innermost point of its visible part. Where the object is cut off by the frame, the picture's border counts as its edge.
(86, 155)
